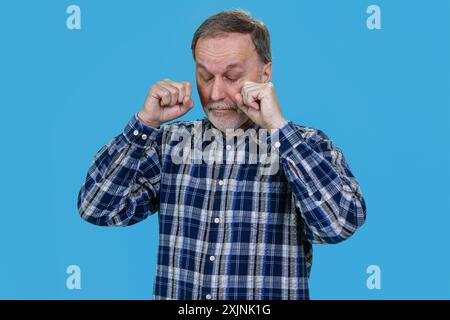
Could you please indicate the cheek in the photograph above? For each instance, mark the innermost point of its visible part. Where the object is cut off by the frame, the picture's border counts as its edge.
(233, 88)
(203, 93)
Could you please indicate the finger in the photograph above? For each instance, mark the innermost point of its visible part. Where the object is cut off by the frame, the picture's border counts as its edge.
(251, 97)
(251, 86)
(184, 107)
(248, 111)
(187, 102)
(174, 93)
(188, 86)
(244, 93)
(162, 94)
(240, 103)
(262, 85)
(181, 90)
(250, 83)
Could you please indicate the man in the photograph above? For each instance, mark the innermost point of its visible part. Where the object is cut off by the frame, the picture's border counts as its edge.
(227, 229)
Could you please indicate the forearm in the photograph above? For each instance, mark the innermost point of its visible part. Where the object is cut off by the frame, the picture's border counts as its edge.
(116, 191)
(326, 192)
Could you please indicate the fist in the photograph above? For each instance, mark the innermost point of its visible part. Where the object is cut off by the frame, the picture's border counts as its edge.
(259, 102)
(166, 101)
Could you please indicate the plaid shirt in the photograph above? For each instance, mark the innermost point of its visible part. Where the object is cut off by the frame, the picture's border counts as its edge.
(226, 231)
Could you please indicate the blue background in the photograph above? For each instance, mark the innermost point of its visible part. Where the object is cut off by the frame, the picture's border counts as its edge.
(383, 96)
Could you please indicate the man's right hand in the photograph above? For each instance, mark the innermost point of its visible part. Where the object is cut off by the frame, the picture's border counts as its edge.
(166, 101)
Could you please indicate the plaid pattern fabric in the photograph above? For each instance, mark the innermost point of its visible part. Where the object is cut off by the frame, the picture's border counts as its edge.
(226, 231)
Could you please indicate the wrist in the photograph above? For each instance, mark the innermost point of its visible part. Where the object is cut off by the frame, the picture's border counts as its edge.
(148, 122)
(275, 125)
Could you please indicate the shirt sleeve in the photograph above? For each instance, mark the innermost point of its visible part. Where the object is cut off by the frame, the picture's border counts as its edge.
(122, 184)
(325, 191)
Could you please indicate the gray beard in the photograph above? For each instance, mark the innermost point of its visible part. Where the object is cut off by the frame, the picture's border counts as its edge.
(225, 106)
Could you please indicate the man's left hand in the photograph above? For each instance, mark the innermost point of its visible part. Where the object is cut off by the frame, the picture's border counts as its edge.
(259, 102)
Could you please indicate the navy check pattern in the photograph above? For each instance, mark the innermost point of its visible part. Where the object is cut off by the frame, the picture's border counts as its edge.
(226, 231)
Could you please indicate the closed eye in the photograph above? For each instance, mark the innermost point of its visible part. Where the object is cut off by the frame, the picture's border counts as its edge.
(207, 79)
(232, 79)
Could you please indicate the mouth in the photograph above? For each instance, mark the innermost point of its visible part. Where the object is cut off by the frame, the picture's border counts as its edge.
(223, 111)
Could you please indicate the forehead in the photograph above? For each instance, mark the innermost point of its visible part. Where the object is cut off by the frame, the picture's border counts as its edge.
(220, 51)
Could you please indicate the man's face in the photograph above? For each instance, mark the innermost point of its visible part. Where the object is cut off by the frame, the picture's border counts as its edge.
(223, 64)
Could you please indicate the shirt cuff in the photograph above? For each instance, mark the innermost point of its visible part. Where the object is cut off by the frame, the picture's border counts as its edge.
(289, 138)
(139, 134)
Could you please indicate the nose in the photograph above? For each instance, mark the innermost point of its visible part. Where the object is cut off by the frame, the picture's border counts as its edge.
(217, 90)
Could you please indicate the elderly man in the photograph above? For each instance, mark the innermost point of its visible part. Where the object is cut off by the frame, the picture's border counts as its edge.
(227, 229)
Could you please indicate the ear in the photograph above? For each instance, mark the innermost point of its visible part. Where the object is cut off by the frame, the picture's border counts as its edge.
(267, 72)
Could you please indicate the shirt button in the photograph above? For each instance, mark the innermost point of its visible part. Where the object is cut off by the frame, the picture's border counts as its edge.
(277, 144)
(208, 296)
(221, 182)
(216, 220)
(212, 258)
(228, 147)
(144, 137)
(135, 132)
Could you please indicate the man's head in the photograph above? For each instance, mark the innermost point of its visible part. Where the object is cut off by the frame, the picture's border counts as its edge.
(229, 48)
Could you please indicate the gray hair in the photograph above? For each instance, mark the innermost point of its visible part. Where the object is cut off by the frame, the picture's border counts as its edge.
(236, 21)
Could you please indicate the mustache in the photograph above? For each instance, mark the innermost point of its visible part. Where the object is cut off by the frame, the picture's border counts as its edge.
(221, 106)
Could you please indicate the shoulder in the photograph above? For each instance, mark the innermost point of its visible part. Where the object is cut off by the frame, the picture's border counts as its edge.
(309, 134)
(183, 126)
(173, 130)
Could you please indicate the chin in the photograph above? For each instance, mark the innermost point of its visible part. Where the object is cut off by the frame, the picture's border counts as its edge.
(227, 123)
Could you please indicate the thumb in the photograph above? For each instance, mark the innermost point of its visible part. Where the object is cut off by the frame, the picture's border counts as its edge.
(188, 102)
(240, 103)
(186, 105)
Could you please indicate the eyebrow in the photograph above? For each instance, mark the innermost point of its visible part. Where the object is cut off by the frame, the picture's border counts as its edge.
(228, 67)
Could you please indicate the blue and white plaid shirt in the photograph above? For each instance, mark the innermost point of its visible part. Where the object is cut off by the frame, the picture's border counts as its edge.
(226, 231)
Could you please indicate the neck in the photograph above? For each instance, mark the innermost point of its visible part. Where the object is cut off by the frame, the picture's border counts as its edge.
(230, 134)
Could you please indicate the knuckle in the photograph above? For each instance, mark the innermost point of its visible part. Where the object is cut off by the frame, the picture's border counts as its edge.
(172, 90)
